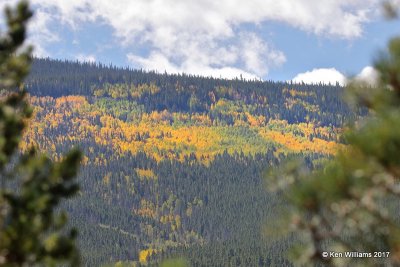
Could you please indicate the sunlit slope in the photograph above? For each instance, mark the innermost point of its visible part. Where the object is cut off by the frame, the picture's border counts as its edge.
(125, 127)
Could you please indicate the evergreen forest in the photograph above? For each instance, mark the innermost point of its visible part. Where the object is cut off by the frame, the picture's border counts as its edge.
(173, 165)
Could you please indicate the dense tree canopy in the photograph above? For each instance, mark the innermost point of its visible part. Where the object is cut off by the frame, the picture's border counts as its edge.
(162, 179)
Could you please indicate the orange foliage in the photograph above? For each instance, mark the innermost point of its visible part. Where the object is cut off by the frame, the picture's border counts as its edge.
(144, 254)
(296, 144)
(159, 135)
(72, 101)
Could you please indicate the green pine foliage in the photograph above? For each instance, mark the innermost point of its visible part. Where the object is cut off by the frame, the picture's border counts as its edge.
(351, 204)
(32, 232)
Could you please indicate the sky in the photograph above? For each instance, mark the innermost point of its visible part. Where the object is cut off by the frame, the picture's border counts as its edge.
(302, 40)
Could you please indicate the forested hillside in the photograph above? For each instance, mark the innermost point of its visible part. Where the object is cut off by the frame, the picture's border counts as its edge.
(174, 164)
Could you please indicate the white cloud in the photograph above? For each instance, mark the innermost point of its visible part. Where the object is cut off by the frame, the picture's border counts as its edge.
(207, 57)
(85, 58)
(339, 18)
(40, 35)
(325, 76)
(203, 34)
(158, 62)
(368, 75)
(258, 56)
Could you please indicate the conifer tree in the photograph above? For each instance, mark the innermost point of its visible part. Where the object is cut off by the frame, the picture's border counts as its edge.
(32, 232)
(351, 204)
